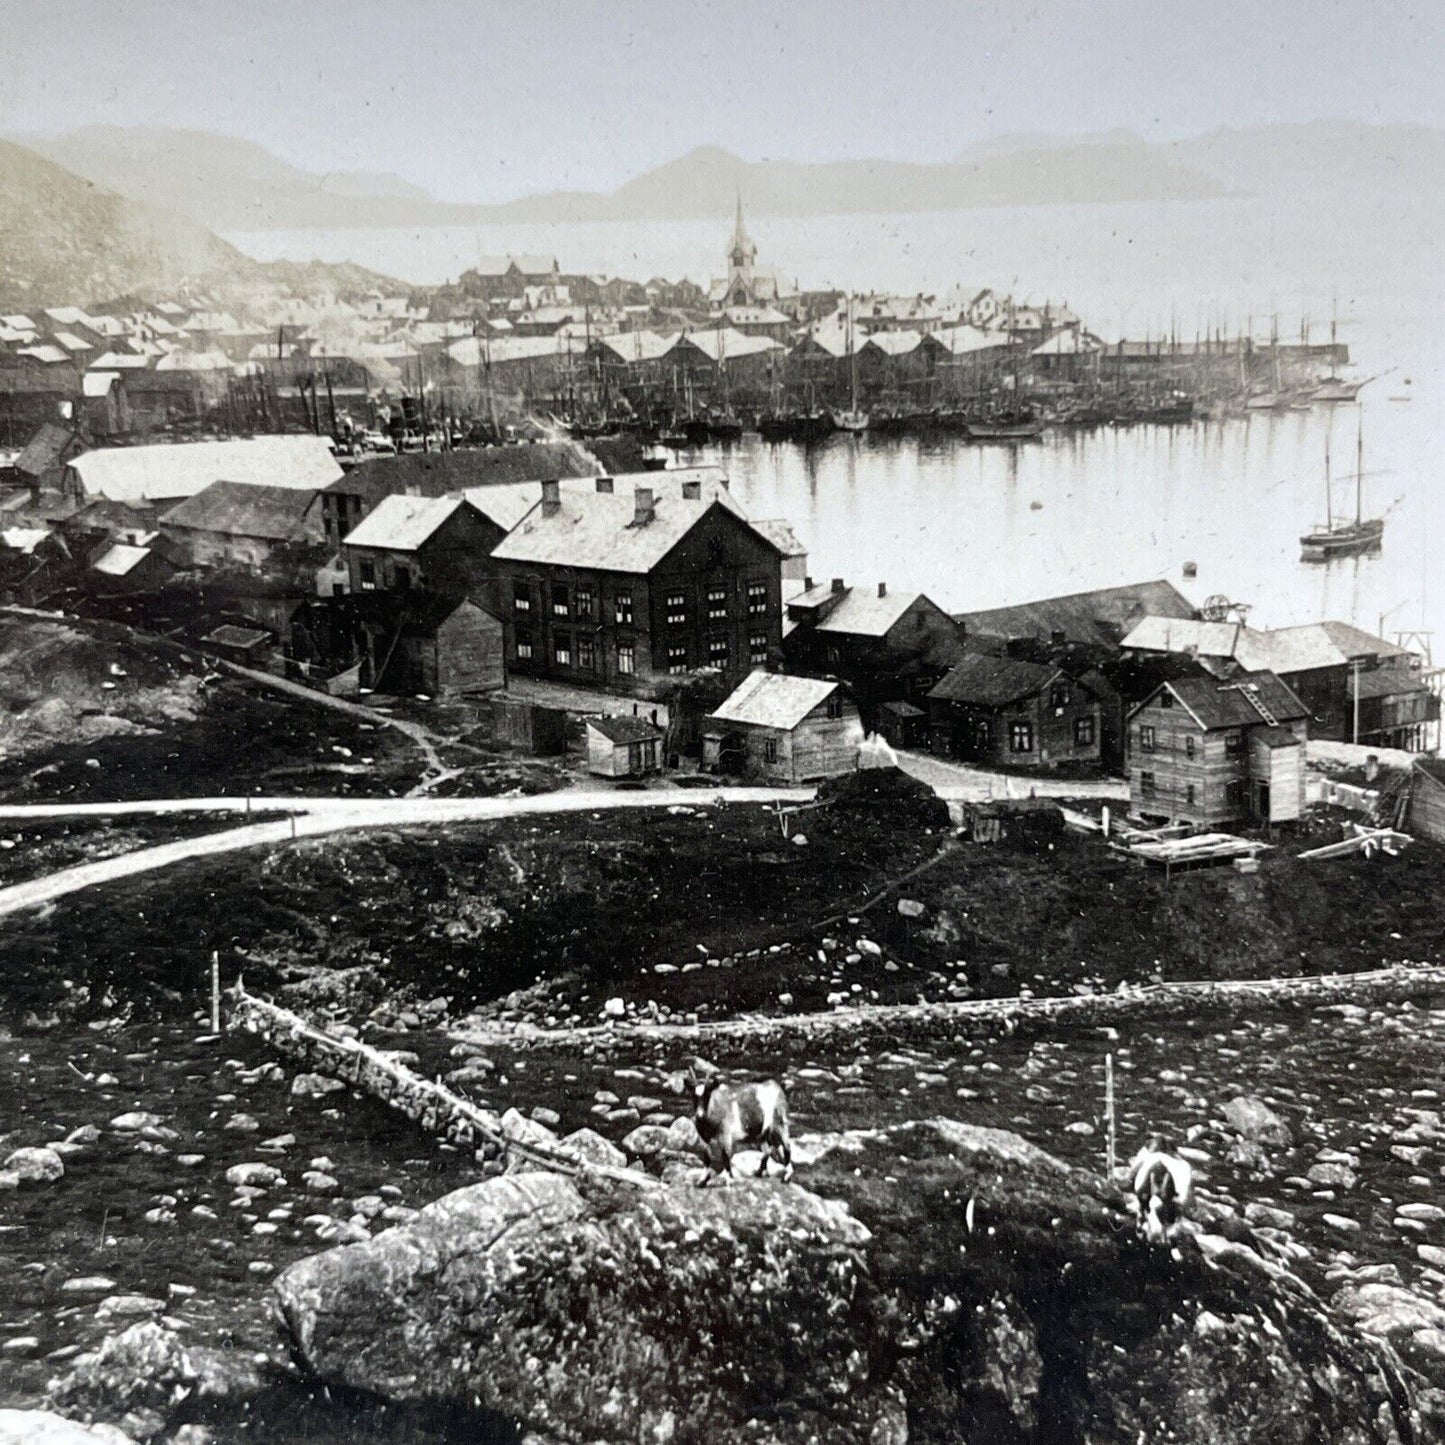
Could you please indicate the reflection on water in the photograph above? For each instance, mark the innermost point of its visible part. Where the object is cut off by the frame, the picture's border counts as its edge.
(984, 525)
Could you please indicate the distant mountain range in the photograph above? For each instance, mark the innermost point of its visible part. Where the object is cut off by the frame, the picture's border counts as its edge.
(234, 185)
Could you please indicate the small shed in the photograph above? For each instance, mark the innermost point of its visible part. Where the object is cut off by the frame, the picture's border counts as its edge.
(903, 724)
(518, 722)
(623, 747)
(249, 646)
(445, 649)
(785, 729)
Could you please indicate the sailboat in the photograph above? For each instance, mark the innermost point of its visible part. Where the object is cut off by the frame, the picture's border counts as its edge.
(1344, 537)
(852, 420)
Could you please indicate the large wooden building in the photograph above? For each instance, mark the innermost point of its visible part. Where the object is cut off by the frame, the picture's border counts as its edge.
(1210, 752)
(784, 729)
(622, 588)
(998, 710)
(437, 543)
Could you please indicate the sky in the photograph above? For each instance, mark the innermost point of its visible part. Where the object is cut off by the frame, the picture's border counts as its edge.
(487, 101)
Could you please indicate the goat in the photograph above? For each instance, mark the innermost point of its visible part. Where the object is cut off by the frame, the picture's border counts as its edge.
(730, 1117)
(1163, 1185)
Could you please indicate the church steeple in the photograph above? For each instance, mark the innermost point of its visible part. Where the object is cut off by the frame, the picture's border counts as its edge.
(741, 250)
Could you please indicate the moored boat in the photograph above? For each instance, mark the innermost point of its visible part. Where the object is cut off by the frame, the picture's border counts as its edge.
(1344, 537)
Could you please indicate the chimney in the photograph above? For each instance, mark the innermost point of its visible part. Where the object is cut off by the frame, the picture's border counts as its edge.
(838, 587)
(882, 589)
(1372, 767)
(642, 514)
(604, 486)
(807, 584)
(551, 498)
(692, 491)
(1057, 637)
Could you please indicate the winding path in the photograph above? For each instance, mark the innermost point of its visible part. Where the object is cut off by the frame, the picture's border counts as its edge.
(315, 817)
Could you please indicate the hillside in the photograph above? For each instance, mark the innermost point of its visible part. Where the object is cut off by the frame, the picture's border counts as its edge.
(65, 240)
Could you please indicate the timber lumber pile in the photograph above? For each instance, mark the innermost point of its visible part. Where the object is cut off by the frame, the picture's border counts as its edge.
(430, 1104)
(1198, 848)
(1366, 841)
(990, 1016)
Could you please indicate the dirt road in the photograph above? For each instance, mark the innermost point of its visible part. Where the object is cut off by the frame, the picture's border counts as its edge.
(960, 783)
(315, 817)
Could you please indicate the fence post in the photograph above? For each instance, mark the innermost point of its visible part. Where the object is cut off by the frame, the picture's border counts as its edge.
(215, 992)
(1111, 1160)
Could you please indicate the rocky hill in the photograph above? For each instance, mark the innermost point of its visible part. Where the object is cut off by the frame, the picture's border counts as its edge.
(64, 240)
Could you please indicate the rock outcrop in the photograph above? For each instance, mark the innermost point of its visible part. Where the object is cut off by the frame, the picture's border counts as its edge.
(933, 1283)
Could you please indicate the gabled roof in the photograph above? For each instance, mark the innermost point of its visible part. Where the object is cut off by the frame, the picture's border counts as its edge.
(636, 346)
(779, 531)
(961, 340)
(23, 539)
(623, 728)
(599, 530)
(894, 343)
(993, 681)
(98, 383)
(156, 473)
(45, 448)
(1324, 644)
(1187, 634)
(401, 523)
(1102, 617)
(244, 509)
(1217, 704)
(861, 613)
(774, 700)
(1072, 341)
(433, 474)
(1285, 650)
(727, 344)
(120, 559)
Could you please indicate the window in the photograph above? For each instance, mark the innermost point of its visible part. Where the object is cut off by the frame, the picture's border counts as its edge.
(1059, 695)
(717, 602)
(562, 651)
(770, 749)
(757, 598)
(835, 705)
(1189, 746)
(1021, 737)
(1084, 732)
(560, 606)
(582, 604)
(1146, 784)
(521, 601)
(367, 569)
(1234, 741)
(623, 605)
(524, 648)
(1146, 740)
(677, 659)
(717, 651)
(983, 738)
(758, 648)
(1189, 795)
(1166, 698)
(626, 659)
(676, 609)
(586, 655)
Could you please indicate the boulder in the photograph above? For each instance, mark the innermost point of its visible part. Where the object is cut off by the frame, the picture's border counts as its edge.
(35, 1166)
(41, 1427)
(1253, 1119)
(588, 1145)
(314, 1086)
(930, 1274)
(254, 1176)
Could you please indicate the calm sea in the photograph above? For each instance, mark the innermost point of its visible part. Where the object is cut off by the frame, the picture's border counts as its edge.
(978, 526)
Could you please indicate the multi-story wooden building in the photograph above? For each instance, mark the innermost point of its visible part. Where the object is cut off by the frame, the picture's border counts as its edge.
(1001, 711)
(1212, 752)
(622, 588)
(440, 544)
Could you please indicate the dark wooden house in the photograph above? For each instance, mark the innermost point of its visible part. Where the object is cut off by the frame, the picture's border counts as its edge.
(241, 526)
(440, 544)
(625, 588)
(997, 710)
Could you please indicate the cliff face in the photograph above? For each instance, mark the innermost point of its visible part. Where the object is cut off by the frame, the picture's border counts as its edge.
(933, 1283)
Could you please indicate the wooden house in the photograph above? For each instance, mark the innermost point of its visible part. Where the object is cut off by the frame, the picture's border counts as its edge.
(239, 525)
(445, 648)
(440, 544)
(784, 729)
(636, 582)
(1211, 752)
(998, 710)
(884, 644)
(623, 747)
(1425, 813)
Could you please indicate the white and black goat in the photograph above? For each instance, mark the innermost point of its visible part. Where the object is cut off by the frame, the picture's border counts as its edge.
(731, 1117)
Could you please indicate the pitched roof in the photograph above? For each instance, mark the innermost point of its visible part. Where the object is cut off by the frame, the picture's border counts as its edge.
(1227, 704)
(98, 383)
(120, 559)
(44, 449)
(23, 539)
(993, 681)
(863, 613)
(598, 530)
(402, 523)
(774, 700)
(154, 473)
(1281, 650)
(1186, 634)
(1324, 644)
(636, 346)
(434, 474)
(1102, 616)
(727, 344)
(244, 509)
(779, 531)
(623, 728)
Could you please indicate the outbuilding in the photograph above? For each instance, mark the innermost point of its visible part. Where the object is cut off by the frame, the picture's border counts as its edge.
(622, 746)
(785, 729)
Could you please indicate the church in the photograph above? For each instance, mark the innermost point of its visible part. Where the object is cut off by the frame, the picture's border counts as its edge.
(749, 285)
